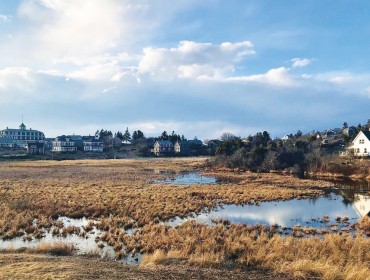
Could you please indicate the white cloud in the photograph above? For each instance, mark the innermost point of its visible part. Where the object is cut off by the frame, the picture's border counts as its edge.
(275, 77)
(300, 62)
(190, 129)
(194, 60)
(73, 30)
(5, 18)
(16, 79)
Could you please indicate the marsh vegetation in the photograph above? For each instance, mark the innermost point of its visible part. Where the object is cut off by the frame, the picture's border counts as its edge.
(126, 207)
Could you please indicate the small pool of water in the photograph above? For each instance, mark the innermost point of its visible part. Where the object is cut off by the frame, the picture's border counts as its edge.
(83, 244)
(324, 212)
(189, 178)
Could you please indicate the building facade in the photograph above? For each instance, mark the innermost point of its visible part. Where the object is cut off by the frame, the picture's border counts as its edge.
(6, 142)
(35, 148)
(93, 145)
(22, 135)
(64, 144)
(361, 144)
(163, 148)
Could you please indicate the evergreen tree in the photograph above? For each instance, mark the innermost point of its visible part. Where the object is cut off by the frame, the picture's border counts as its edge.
(137, 135)
(126, 136)
(164, 136)
(119, 135)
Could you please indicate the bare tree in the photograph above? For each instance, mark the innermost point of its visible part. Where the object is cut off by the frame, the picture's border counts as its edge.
(227, 136)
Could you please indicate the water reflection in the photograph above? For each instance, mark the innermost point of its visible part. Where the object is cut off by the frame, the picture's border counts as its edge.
(87, 244)
(189, 178)
(307, 212)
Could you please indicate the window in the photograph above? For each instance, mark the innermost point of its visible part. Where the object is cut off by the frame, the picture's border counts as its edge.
(362, 141)
(358, 150)
(365, 151)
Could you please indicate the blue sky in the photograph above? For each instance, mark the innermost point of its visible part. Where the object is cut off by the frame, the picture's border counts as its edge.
(197, 67)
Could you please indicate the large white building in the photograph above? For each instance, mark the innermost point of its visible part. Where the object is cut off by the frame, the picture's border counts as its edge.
(22, 136)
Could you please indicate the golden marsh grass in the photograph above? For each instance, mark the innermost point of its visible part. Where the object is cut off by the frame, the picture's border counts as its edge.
(121, 194)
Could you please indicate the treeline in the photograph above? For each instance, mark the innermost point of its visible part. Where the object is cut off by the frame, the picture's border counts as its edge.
(261, 153)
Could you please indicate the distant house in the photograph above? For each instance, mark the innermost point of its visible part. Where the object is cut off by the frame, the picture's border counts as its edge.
(196, 142)
(22, 135)
(349, 131)
(328, 134)
(163, 148)
(92, 145)
(287, 137)
(48, 143)
(64, 144)
(35, 148)
(182, 147)
(78, 140)
(361, 144)
(187, 147)
(7, 142)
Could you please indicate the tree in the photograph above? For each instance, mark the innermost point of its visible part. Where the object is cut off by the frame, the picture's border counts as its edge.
(105, 134)
(298, 134)
(126, 136)
(119, 135)
(227, 136)
(164, 136)
(137, 135)
(140, 134)
(345, 125)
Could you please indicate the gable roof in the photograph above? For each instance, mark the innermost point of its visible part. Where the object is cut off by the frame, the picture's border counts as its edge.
(367, 134)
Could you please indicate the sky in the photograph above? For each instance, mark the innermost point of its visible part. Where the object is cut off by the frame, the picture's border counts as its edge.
(199, 68)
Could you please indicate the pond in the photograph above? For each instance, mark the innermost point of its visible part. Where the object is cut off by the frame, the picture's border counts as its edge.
(83, 244)
(188, 178)
(333, 211)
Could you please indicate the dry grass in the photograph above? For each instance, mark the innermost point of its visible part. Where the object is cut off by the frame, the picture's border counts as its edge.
(124, 189)
(120, 194)
(54, 249)
(24, 266)
(330, 257)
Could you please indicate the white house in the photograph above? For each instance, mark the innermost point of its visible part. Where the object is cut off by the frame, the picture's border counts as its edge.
(64, 144)
(22, 135)
(93, 145)
(361, 144)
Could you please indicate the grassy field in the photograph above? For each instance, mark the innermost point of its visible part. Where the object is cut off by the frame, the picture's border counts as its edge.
(25, 266)
(119, 194)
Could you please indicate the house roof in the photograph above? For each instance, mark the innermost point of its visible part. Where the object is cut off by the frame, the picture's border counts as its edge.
(195, 141)
(21, 130)
(75, 137)
(367, 134)
(165, 142)
(183, 143)
(63, 138)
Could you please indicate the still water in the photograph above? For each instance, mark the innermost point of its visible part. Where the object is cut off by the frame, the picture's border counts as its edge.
(189, 178)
